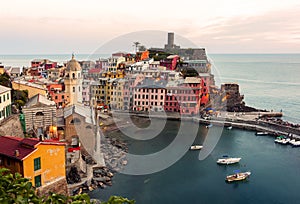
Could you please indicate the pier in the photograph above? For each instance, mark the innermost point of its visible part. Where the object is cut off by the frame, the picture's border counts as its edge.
(241, 120)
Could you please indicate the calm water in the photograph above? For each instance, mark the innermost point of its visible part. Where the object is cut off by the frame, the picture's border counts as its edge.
(275, 172)
(268, 81)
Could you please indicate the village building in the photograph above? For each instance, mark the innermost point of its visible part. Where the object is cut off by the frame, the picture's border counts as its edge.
(149, 95)
(5, 102)
(41, 161)
(40, 117)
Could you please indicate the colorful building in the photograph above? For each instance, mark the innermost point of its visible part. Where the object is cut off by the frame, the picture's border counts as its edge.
(170, 62)
(5, 102)
(184, 96)
(117, 97)
(149, 95)
(32, 88)
(58, 95)
(42, 162)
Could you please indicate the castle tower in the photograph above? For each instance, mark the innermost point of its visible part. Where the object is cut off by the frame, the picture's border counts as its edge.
(73, 81)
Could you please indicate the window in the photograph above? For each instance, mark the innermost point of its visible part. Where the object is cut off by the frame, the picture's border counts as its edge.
(37, 163)
(74, 89)
(37, 181)
(3, 98)
(7, 96)
(0, 99)
(56, 97)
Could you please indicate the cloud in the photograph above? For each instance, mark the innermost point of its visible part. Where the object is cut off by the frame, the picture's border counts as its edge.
(276, 31)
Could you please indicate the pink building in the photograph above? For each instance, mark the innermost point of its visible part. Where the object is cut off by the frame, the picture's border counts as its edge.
(149, 95)
(131, 81)
(184, 97)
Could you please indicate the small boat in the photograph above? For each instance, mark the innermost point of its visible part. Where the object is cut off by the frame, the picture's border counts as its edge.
(196, 147)
(282, 140)
(238, 176)
(229, 128)
(229, 160)
(296, 144)
(209, 126)
(262, 133)
(292, 142)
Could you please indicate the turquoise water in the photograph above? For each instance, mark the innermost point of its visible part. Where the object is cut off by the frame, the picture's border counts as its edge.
(275, 172)
(268, 81)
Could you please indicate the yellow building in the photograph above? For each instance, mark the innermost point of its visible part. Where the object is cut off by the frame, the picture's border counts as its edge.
(116, 95)
(33, 88)
(42, 162)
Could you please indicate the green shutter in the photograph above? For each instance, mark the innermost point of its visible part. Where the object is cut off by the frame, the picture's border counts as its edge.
(37, 181)
(37, 163)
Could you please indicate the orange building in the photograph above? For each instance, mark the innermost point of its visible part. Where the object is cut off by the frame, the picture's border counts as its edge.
(42, 162)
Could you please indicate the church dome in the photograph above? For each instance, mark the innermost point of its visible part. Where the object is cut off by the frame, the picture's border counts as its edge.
(73, 65)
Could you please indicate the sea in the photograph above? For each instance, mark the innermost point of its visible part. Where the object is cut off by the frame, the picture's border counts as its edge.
(267, 81)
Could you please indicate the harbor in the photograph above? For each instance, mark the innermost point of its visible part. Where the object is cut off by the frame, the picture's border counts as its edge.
(245, 121)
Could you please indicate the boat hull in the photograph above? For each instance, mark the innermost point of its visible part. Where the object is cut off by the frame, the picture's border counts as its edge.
(238, 177)
(228, 161)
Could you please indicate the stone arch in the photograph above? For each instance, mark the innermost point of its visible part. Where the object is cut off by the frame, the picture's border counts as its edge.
(39, 113)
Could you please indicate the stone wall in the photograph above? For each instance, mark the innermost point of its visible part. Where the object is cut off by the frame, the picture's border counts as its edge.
(11, 126)
(60, 186)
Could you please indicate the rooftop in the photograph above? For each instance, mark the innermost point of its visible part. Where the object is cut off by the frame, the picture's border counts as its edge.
(4, 89)
(24, 146)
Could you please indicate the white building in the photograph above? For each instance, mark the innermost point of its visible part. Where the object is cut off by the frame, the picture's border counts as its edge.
(5, 102)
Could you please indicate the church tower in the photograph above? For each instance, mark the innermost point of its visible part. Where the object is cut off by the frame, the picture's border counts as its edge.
(73, 81)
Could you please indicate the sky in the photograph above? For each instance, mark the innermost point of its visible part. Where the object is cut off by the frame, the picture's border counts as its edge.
(231, 26)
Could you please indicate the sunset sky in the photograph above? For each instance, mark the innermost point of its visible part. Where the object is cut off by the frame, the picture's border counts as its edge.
(231, 26)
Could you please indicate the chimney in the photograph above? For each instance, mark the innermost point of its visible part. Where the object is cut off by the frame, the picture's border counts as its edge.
(17, 153)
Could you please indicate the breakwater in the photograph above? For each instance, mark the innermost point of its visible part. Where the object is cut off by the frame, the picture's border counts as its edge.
(245, 121)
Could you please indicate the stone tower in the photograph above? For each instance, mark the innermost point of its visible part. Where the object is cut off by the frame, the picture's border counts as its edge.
(73, 81)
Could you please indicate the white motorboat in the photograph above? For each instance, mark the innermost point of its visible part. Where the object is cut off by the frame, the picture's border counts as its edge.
(292, 142)
(282, 140)
(296, 144)
(229, 128)
(229, 160)
(262, 133)
(196, 147)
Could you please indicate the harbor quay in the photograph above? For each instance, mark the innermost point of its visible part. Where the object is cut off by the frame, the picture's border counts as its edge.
(242, 120)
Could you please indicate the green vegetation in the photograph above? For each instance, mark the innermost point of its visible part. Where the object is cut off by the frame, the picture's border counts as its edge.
(118, 200)
(14, 189)
(5, 80)
(19, 97)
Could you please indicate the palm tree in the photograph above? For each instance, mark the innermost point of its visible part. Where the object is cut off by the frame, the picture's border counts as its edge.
(136, 44)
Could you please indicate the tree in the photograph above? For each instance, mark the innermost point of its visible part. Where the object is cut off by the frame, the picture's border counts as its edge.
(118, 200)
(136, 44)
(14, 189)
(5, 80)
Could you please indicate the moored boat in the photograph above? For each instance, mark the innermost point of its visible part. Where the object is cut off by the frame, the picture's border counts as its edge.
(238, 176)
(196, 147)
(229, 128)
(229, 160)
(282, 140)
(262, 133)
